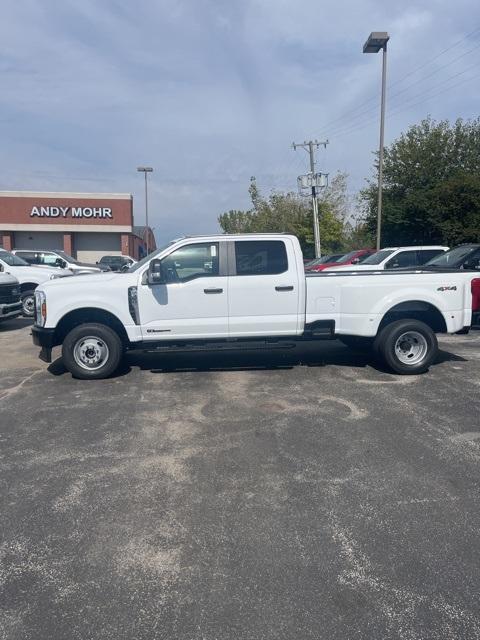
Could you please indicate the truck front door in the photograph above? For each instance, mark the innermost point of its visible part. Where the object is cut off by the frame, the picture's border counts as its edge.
(193, 301)
(263, 293)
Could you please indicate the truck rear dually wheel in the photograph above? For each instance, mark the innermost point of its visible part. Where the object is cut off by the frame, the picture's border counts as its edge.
(408, 347)
(92, 351)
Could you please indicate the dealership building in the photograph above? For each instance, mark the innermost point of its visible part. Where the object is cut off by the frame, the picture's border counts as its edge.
(86, 226)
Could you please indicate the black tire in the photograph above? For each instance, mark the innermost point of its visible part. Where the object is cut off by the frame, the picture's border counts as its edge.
(359, 343)
(92, 351)
(407, 347)
(28, 303)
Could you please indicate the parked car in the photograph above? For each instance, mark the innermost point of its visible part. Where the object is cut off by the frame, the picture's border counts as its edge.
(465, 256)
(224, 291)
(323, 260)
(116, 263)
(58, 259)
(28, 276)
(394, 258)
(352, 257)
(10, 303)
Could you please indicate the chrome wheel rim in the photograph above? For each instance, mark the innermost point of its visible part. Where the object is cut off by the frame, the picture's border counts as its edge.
(28, 305)
(411, 347)
(90, 353)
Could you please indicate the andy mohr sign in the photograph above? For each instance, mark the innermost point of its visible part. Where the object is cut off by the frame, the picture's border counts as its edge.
(71, 212)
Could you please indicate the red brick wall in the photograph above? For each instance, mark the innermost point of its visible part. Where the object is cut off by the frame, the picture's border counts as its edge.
(7, 240)
(17, 210)
(68, 243)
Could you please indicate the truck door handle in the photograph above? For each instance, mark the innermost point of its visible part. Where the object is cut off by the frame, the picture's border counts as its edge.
(213, 290)
(288, 288)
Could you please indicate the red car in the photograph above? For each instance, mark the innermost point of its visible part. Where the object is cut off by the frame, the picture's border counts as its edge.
(353, 257)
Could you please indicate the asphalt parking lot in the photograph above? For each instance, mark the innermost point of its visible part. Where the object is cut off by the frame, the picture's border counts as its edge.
(240, 497)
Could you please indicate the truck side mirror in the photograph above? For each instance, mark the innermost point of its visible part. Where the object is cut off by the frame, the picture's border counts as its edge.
(60, 263)
(156, 272)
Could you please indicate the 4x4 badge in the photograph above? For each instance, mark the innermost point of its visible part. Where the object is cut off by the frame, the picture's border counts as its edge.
(454, 288)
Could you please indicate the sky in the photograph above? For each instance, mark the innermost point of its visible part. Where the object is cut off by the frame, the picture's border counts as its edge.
(211, 92)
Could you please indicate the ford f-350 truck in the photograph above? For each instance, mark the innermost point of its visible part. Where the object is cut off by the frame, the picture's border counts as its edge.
(10, 303)
(231, 291)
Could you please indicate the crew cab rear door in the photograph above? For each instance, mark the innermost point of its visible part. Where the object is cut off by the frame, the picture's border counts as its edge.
(264, 287)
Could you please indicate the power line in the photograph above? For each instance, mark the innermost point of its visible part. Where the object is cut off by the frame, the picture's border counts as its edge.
(354, 127)
(393, 84)
(341, 128)
(426, 64)
(409, 106)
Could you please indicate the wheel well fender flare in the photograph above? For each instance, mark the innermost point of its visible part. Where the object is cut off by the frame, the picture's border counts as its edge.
(86, 315)
(28, 286)
(418, 310)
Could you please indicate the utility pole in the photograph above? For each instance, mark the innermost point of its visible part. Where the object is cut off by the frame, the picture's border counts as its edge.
(311, 146)
(146, 170)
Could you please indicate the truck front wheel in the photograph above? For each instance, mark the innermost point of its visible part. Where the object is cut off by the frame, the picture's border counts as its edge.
(408, 347)
(92, 351)
(28, 303)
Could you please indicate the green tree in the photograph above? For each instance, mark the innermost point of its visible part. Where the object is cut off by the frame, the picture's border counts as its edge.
(292, 213)
(431, 185)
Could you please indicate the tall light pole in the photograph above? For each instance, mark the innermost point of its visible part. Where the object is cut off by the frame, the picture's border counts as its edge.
(378, 40)
(146, 170)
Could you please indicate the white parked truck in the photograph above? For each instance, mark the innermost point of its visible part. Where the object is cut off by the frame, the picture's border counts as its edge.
(249, 291)
(29, 277)
(10, 303)
(394, 258)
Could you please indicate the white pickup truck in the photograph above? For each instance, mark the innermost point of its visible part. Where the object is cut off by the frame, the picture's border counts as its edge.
(29, 277)
(242, 291)
(10, 303)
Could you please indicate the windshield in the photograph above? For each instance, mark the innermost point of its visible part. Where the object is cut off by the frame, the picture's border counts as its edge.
(347, 257)
(323, 260)
(11, 260)
(377, 258)
(143, 261)
(66, 257)
(112, 259)
(451, 258)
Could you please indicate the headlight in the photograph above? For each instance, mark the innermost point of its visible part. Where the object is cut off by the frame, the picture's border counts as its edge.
(40, 308)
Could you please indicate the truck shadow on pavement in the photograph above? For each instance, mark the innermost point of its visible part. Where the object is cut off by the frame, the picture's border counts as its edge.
(314, 354)
(15, 325)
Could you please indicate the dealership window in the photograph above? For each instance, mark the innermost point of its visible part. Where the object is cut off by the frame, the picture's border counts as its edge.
(260, 257)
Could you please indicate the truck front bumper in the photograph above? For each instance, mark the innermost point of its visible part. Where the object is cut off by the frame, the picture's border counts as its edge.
(44, 338)
(10, 310)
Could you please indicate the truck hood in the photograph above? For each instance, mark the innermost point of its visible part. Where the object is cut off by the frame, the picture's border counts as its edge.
(39, 273)
(83, 279)
(87, 266)
(7, 278)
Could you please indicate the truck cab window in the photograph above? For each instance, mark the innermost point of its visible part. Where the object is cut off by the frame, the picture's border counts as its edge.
(48, 258)
(192, 261)
(260, 257)
(402, 259)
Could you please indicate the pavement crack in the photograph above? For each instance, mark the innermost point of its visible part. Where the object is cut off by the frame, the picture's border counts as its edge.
(6, 393)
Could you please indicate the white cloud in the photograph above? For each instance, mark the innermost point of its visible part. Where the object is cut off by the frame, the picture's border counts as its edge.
(212, 92)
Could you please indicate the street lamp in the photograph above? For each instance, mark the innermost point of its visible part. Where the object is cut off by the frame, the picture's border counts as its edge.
(378, 40)
(146, 170)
